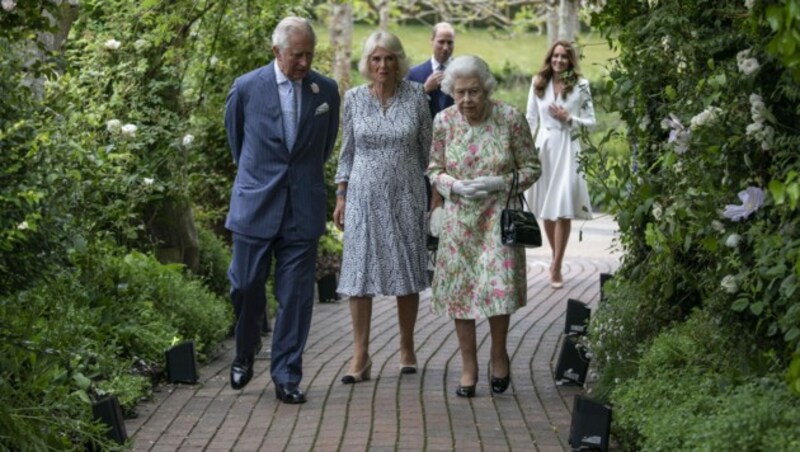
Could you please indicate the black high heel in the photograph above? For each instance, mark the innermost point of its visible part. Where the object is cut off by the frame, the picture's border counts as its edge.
(467, 391)
(499, 385)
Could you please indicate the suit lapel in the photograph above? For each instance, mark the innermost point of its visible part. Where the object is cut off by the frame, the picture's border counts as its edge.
(307, 106)
(272, 99)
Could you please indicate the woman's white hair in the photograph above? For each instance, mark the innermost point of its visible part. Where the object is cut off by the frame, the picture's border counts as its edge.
(468, 66)
(289, 26)
(386, 41)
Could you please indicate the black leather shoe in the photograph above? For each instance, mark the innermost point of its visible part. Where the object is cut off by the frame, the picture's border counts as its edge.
(289, 394)
(241, 372)
(499, 385)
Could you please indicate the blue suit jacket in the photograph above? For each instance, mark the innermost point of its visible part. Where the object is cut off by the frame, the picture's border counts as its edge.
(437, 100)
(269, 176)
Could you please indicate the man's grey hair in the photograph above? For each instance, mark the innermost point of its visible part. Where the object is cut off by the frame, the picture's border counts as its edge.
(389, 42)
(289, 26)
(465, 67)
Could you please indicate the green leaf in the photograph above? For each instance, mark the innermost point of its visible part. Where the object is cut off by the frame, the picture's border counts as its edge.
(757, 308)
(670, 92)
(778, 191)
(81, 381)
(792, 334)
(740, 304)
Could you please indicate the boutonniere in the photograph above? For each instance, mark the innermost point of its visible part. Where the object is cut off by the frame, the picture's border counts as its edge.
(314, 88)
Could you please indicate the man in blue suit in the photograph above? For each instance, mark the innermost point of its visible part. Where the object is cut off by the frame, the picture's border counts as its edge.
(430, 72)
(282, 120)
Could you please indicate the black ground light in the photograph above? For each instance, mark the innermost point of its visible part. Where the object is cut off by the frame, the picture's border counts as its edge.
(110, 413)
(326, 287)
(572, 363)
(181, 363)
(591, 425)
(604, 277)
(577, 320)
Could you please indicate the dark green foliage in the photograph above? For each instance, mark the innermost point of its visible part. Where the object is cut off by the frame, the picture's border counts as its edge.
(99, 327)
(703, 317)
(215, 257)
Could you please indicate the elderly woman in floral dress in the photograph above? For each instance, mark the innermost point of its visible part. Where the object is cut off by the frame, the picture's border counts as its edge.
(477, 145)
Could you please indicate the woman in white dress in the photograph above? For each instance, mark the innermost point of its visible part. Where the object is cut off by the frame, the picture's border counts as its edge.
(559, 103)
(381, 201)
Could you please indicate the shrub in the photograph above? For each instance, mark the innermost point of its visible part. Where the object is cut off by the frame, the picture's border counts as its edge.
(215, 257)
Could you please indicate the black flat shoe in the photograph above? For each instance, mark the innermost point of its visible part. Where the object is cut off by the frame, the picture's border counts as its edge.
(499, 385)
(289, 394)
(241, 372)
(465, 391)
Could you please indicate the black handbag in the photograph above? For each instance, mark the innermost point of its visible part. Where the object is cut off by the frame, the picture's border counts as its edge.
(519, 227)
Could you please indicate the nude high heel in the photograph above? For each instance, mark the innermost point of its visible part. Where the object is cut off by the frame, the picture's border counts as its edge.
(362, 375)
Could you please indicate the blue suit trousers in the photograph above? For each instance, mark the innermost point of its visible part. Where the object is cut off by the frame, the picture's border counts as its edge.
(295, 261)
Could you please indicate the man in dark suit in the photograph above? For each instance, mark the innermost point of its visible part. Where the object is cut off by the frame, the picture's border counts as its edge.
(430, 72)
(282, 120)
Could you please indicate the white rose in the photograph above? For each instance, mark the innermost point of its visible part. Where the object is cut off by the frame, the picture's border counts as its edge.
(729, 284)
(657, 211)
(148, 181)
(23, 226)
(114, 125)
(754, 129)
(112, 44)
(129, 130)
(188, 139)
(213, 61)
(733, 240)
(8, 5)
(749, 66)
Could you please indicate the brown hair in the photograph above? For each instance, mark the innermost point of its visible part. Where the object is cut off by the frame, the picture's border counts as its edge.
(544, 75)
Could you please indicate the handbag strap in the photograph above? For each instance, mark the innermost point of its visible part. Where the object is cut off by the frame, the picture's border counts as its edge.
(514, 186)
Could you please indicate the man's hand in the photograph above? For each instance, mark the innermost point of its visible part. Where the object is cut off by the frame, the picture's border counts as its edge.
(433, 81)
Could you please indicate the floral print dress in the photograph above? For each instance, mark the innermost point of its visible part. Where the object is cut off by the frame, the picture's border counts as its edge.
(476, 276)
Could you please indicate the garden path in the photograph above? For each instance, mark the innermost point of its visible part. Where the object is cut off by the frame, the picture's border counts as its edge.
(390, 412)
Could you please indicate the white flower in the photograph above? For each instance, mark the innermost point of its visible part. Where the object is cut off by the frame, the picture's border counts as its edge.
(73, 2)
(749, 66)
(314, 88)
(705, 117)
(657, 211)
(678, 133)
(114, 125)
(188, 139)
(148, 181)
(733, 240)
(665, 43)
(754, 129)
(213, 61)
(718, 226)
(749, 4)
(729, 284)
(129, 130)
(8, 5)
(652, 3)
(766, 137)
(23, 226)
(752, 199)
(112, 44)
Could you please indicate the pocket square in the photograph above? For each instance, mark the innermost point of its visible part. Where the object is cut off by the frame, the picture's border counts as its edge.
(321, 109)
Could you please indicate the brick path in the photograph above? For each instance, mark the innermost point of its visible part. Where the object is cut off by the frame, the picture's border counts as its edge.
(390, 412)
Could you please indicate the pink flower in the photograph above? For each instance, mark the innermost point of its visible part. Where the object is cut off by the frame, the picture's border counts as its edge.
(508, 264)
(499, 293)
(473, 148)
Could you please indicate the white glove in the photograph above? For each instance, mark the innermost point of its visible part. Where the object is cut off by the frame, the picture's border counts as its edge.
(467, 191)
(488, 183)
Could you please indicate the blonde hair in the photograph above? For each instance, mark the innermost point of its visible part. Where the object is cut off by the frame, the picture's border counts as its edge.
(389, 42)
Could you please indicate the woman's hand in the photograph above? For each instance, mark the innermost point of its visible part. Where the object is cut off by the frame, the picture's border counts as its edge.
(338, 213)
(559, 113)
